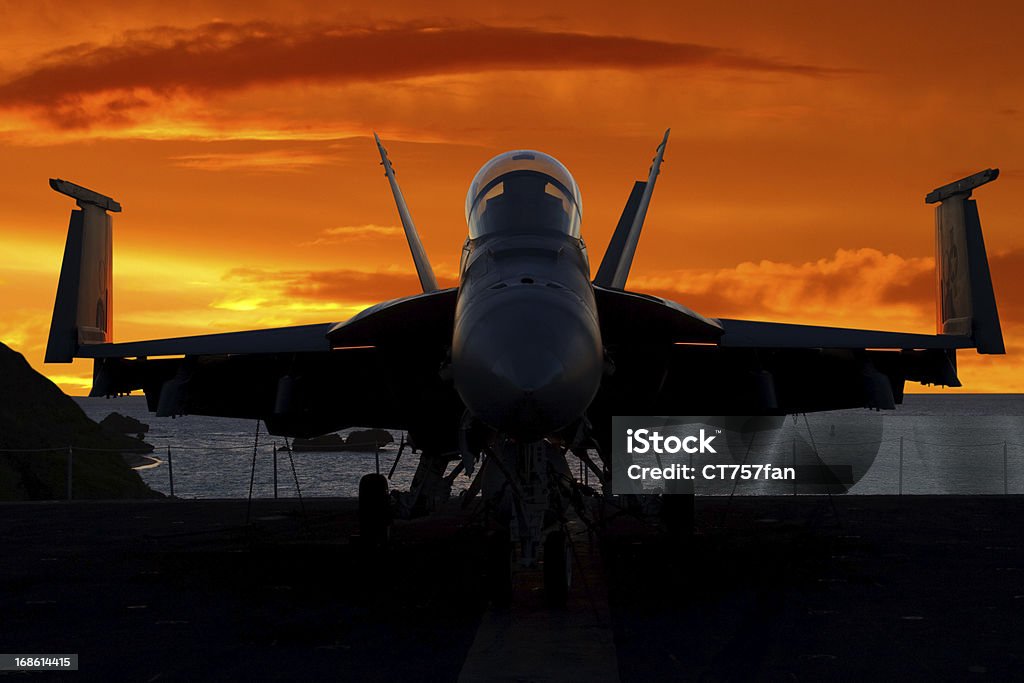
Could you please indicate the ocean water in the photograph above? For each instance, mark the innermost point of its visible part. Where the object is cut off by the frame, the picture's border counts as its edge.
(932, 444)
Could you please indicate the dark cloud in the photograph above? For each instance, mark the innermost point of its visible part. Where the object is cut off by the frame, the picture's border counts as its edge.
(220, 56)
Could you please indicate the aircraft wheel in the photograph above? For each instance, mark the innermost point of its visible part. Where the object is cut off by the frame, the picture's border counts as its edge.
(557, 568)
(374, 510)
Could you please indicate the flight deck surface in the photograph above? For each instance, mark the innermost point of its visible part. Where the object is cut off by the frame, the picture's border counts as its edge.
(856, 587)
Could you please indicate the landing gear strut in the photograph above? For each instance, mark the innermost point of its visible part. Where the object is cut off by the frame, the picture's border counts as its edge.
(430, 487)
(527, 487)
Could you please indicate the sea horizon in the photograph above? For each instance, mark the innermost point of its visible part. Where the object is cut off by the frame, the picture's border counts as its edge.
(950, 444)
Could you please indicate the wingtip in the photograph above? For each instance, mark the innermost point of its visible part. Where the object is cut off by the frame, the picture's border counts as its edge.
(965, 185)
(84, 194)
(664, 139)
(380, 149)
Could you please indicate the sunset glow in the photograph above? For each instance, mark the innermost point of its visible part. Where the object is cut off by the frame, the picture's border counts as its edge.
(238, 138)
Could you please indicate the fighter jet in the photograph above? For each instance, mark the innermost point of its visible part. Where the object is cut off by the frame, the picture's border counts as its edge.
(530, 356)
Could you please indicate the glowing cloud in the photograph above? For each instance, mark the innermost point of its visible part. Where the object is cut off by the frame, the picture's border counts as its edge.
(124, 83)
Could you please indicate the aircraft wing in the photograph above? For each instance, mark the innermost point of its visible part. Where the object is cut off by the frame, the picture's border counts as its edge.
(298, 339)
(668, 360)
(429, 316)
(629, 315)
(691, 365)
(756, 334)
(378, 369)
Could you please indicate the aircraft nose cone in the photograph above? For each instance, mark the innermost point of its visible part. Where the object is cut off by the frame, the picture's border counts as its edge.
(529, 395)
(525, 391)
(527, 368)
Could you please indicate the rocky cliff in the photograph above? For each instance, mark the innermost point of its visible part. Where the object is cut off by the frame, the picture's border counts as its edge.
(36, 414)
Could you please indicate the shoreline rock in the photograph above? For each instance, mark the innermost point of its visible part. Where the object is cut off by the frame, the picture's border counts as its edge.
(357, 440)
(38, 423)
(116, 423)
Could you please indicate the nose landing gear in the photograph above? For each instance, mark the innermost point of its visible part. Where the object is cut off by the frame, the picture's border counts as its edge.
(529, 489)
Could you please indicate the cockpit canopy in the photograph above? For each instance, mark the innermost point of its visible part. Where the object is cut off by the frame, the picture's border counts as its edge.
(523, 191)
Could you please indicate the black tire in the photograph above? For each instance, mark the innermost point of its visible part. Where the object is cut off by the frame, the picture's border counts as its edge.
(557, 568)
(374, 510)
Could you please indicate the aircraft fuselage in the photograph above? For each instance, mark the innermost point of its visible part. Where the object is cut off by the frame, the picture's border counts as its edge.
(527, 356)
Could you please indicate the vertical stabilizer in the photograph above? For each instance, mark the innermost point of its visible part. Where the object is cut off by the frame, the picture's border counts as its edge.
(613, 254)
(419, 255)
(966, 303)
(618, 258)
(83, 306)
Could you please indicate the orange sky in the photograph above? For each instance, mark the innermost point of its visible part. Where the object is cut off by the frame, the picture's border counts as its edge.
(238, 139)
